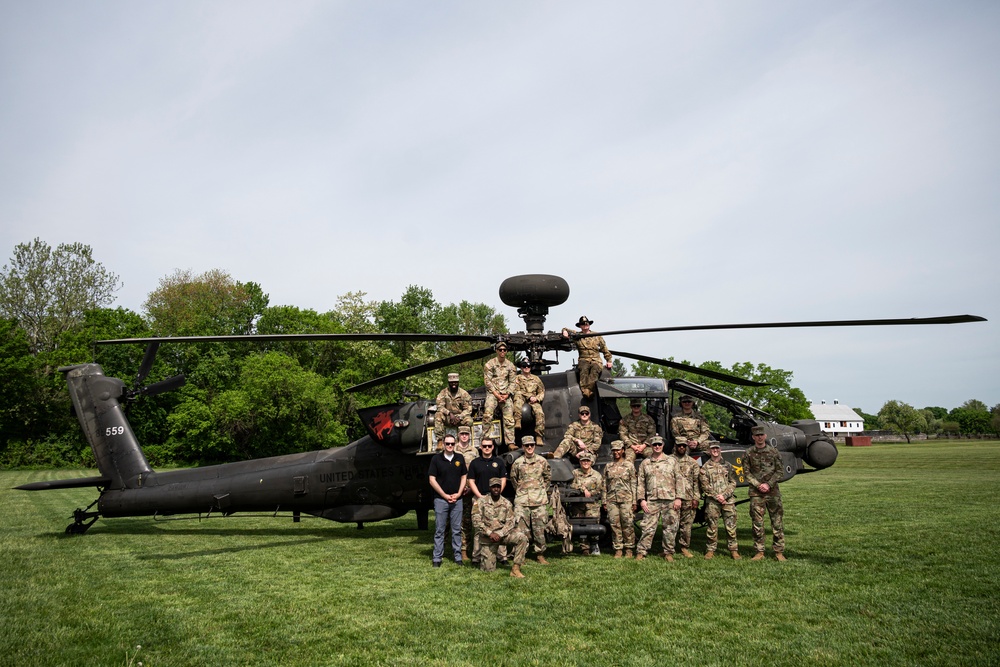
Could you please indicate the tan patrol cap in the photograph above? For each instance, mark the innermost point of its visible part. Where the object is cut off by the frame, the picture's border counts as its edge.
(528, 440)
(496, 481)
(464, 429)
(757, 430)
(586, 456)
(617, 444)
(452, 377)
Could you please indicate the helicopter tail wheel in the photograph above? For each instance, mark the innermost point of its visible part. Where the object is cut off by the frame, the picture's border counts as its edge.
(82, 520)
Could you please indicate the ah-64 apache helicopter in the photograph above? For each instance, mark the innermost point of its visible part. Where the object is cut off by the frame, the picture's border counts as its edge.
(384, 474)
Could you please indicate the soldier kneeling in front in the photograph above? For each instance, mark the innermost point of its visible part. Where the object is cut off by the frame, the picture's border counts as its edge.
(496, 523)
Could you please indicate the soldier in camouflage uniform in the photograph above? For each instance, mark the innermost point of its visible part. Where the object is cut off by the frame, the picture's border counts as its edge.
(635, 429)
(588, 480)
(529, 389)
(500, 377)
(657, 487)
(619, 500)
(718, 482)
(690, 426)
(454, 408)
(590, 350)
(581, 436)
(467, 450)
(689, 469)
(763, 471)
(498, 524)
(531, 477)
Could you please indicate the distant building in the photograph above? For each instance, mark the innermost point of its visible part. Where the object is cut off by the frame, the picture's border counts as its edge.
(836, 419)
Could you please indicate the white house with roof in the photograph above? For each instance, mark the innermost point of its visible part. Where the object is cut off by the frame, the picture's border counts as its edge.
(836, 419)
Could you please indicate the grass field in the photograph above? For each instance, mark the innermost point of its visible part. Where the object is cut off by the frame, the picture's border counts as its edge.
(894, 560)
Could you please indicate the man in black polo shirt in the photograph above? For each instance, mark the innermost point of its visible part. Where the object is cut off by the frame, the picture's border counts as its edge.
(447, 474)
(481, 471)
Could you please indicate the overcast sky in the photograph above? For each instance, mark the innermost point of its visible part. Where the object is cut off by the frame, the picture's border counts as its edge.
(676, 163)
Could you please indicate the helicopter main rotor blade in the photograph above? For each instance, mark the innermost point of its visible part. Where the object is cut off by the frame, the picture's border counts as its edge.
(950, 319)
(423, 368)
(732, 379)
(442, 338)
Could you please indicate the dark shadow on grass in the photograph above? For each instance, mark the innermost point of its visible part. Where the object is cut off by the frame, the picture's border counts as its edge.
(229, 550)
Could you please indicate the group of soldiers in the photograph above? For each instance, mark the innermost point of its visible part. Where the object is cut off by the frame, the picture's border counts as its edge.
(668, 488)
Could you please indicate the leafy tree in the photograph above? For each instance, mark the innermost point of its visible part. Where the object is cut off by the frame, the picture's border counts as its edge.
(208, 304)
(995, 418)
(48, 291)
(18, 389)
(779, 398)
(618, 368)
(902, 418)
(936, 411)
(277, 408)
(973, 418)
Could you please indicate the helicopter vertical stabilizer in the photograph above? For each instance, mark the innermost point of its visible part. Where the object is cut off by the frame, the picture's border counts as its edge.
(96, 404)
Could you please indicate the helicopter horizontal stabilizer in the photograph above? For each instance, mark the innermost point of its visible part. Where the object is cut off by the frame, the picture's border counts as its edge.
(78, 483)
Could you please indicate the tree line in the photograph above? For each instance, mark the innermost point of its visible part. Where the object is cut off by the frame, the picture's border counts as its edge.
(240, 400)
(972, 418)
(248, 400)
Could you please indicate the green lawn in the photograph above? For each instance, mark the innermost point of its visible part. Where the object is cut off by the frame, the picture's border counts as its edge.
(894, 559)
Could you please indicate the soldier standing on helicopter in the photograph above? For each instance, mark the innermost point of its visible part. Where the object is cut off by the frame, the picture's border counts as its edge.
(590, 349)
(500, 377)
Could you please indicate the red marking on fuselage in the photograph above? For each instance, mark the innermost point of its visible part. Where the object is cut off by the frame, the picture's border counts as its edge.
(381, 424)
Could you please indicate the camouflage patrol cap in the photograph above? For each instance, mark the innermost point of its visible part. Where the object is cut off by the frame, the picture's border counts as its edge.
(714, 444)
(757, 430)
(656, 440)
(496, 481)
(452, 377)
(464, 429)
(617, 444)
(584, 408)
(635, 401)
(585, 456)
(584, 320)
(528, 440)
(501, 346)
(686, 399)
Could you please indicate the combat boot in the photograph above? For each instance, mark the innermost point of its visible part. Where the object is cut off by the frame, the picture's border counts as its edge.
(585, 549)
(465, 556)
(736, 555)
(709, 555)
(758, 556)
(687, 553)
(618, 553)
(641, 557)
(668, 557)
(515, 571)
(628, 553)
(780, 556)
(541, 560)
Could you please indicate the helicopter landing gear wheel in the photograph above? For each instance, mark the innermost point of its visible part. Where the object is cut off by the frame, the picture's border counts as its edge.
(82, 520)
